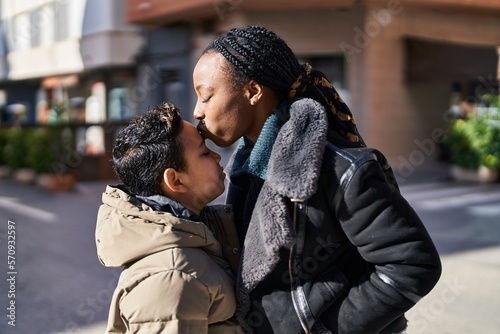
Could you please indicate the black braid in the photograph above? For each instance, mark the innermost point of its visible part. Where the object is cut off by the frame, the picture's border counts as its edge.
(257, 53)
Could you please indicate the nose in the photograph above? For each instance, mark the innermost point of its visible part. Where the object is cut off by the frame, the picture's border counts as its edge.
(216, 156)
(197, 113)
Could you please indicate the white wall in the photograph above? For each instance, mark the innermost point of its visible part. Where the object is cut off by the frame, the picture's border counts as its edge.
(57, 37)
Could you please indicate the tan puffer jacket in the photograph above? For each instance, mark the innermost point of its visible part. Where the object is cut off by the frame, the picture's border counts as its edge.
(173, 280)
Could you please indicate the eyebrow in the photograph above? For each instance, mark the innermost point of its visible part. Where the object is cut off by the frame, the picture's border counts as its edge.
(204, 86)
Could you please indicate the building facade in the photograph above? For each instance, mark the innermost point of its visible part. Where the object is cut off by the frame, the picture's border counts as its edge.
(71, 62)
(398, 63)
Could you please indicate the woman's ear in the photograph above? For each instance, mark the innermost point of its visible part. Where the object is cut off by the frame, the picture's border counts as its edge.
(172, 181)
(255, 91)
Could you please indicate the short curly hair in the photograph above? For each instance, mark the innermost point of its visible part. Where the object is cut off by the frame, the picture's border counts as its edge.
(147, 147)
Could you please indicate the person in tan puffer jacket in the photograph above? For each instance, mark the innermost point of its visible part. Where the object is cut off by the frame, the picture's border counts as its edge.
(179, 255)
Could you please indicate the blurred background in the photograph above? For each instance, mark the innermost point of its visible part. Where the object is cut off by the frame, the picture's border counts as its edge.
(421, 78)
(85, 67)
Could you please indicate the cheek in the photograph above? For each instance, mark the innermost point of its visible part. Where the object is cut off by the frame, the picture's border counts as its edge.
(221, 116)
(233, 112)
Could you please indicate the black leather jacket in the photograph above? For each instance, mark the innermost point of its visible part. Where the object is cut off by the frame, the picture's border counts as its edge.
(332, 246)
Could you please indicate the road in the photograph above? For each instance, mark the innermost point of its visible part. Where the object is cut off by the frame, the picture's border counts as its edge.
(60, 286)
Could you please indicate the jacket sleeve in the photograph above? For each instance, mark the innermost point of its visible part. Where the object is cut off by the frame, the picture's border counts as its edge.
(167, 302)
(402, 260)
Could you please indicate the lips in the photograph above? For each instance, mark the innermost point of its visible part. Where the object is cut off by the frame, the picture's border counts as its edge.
(202, 128)
(222, 173)
(205, 133)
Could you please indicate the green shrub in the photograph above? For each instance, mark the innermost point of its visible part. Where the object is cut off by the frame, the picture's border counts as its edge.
(47, 153)
(3, 143)
(492, 100)
(44, 150)
(16, 150)
(474, 141)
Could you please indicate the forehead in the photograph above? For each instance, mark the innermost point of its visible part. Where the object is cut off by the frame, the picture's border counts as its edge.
(190, 135)
(211, 66)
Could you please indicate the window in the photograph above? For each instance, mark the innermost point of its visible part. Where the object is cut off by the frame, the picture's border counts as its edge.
(43, 24)
(21, 34)
(39, 27)
(61, 20)
(118, 106)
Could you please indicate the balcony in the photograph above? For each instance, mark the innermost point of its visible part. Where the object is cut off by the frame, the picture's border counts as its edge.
(161, 12)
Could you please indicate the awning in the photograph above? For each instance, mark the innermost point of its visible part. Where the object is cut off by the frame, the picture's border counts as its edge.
(160, 12)
(60, 81)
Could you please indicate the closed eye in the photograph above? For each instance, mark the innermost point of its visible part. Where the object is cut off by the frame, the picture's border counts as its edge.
(206, 100)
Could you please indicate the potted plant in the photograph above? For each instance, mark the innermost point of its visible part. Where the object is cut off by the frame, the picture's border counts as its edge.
(4, 169)
(491, 100)
(474, 146)
(46, 155)
(16, 154)
(490, 108)
(58, 112)
(485, 140)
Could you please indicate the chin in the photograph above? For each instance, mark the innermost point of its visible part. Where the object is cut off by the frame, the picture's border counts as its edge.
(220, 142)
(220, 193)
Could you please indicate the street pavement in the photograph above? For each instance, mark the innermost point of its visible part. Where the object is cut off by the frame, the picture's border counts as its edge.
(464, 222)
(60, 286)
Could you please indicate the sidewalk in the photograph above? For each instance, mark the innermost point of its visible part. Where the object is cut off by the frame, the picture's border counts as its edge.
(66, 290)
(431, 171)
(463, 218)
(466, 299)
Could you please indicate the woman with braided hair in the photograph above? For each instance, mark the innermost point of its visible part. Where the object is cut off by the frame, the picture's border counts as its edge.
(329, 243)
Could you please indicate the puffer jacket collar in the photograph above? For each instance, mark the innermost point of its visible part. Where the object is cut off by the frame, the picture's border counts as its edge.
(165, 204)
(128, 229)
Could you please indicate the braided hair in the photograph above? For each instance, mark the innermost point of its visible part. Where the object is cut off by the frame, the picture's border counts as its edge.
(259, 54)
(256, 53)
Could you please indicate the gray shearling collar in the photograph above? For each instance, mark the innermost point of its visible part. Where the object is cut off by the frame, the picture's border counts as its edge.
(297, 154)
(293, 172)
